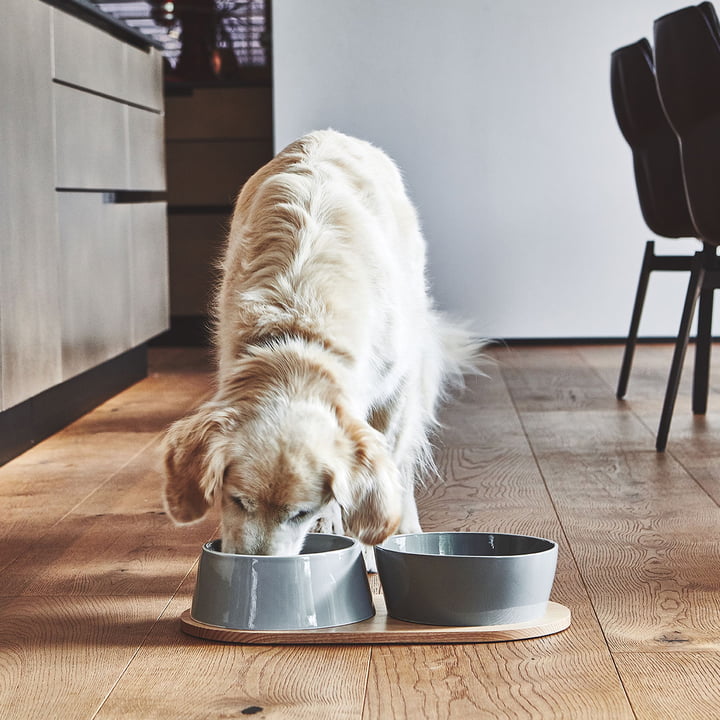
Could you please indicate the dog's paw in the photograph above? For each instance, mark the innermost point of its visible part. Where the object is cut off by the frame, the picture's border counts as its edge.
(330, 521)
(369, 557)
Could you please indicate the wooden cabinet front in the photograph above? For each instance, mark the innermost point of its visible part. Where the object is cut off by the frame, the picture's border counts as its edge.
(83, 270)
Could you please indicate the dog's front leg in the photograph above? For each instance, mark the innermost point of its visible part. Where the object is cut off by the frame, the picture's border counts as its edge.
(369, 557)
(330, 520)
(410, 522)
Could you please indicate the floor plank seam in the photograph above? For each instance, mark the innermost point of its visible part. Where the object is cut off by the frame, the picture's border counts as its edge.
(366, 684)
(569, 547)
(690, 474)
(130, 661)
(144, 640)
(621, 402)
(102, 484)
(109, 478)
(154, 439)
(668, 451)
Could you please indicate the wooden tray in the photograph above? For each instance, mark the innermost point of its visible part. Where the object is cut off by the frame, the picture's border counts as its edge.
(385, 630)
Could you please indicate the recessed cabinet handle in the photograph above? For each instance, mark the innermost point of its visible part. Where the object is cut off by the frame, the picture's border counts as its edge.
(123, 197)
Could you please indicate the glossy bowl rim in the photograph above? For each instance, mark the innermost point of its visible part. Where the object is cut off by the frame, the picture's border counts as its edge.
(409, 553)
(353, 542)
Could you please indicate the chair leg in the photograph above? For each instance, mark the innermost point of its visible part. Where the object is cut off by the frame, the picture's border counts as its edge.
(697, 276)
(635, 321)
(701, 376)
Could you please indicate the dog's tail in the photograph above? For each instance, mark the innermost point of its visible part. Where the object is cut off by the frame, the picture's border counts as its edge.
(458, 355)
(462, 353)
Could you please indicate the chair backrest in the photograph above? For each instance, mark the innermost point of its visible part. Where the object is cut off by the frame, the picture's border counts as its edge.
(655, 147)
(687, 65)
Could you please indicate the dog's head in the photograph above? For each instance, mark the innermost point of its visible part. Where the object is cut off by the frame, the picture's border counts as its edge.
(276, 472)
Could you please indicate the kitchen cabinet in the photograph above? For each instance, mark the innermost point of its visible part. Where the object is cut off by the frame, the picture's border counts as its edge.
(83, 225)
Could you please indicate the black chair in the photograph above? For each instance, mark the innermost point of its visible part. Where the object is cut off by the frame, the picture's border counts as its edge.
(658, 173)
(687, 67)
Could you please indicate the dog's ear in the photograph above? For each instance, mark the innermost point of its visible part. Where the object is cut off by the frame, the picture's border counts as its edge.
(196, 455)
(368, 490)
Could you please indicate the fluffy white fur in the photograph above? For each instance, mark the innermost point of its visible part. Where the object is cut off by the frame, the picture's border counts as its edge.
(331, 359)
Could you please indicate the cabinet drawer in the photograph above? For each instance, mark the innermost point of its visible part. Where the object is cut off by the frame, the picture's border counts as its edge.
(113, 277)
(146, 150)
(95, 291)
(102, 144)
(150, 304)
(91, 59)
(91, 145)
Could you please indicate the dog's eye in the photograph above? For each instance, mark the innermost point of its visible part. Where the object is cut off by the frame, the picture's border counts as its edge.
(300, 516)
(238, 501)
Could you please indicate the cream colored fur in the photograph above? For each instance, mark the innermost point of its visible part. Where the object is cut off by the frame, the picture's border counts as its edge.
(331, 359)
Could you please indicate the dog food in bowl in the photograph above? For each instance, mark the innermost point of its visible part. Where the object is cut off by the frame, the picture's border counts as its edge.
(324, 586)
(466, 578)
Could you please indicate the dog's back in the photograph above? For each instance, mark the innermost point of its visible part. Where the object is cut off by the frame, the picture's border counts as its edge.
(325, 245)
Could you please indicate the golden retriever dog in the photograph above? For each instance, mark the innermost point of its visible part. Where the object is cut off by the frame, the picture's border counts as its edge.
(331, 360)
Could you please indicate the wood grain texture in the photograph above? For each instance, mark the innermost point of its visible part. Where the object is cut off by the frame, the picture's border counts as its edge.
(559, 380)
(108, 554)
(117, 69)
(149, 282)
(53, 136)
(29, 293)
(92, 459)
(517, 680)
(60, 658)
(649, 374)
(176, 676)
(146, 151)
(693, 438)
(94, 578)
(668, 686)
(645, 539)
(94, 263)
(91, 149)
(642, 530)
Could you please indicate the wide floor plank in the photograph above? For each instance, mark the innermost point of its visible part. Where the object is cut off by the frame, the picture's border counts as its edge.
(60, 658)
(668, 686)
(693, 439)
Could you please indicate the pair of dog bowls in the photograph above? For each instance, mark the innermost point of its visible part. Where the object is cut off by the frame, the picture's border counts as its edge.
(437, 578)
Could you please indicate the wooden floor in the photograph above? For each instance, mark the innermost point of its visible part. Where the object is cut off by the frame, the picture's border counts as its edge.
(93, 576)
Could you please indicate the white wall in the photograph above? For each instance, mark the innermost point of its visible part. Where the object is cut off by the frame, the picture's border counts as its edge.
(499, 114)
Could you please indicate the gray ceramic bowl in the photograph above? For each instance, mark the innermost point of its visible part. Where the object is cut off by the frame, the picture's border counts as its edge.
(324, 586)
(462, 578)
